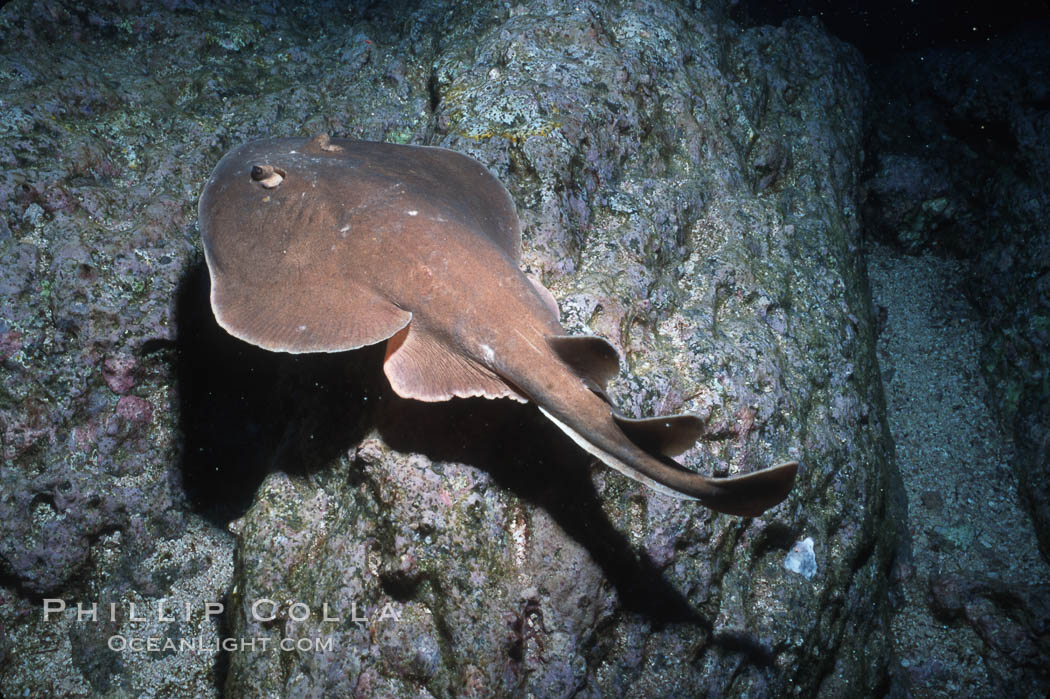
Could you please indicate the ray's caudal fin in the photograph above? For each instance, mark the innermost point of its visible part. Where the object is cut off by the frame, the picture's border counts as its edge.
(750, 494)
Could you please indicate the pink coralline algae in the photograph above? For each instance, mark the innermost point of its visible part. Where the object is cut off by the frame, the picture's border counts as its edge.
(10, 343)
(134, 409)
(119, 373)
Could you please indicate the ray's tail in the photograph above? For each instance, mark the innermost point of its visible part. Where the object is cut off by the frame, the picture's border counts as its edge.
(642, 449)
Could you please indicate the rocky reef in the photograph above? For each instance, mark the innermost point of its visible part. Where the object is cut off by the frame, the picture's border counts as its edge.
(688, 189)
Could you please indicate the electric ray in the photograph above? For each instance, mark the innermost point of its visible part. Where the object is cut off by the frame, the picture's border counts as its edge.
(326, 245)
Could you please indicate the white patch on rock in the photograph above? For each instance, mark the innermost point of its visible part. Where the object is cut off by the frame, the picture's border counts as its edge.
(801, 560)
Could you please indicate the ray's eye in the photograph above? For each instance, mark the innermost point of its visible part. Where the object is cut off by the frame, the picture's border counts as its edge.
(267, 175)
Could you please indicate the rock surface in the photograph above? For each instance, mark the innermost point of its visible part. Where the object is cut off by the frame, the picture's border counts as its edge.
(687, 189)
(1012, 621)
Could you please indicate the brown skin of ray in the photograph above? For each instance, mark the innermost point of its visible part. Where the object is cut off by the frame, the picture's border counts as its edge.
(363, 242)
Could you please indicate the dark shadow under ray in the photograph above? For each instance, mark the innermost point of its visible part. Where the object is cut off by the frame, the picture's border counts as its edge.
(244, 411)
(528, 455)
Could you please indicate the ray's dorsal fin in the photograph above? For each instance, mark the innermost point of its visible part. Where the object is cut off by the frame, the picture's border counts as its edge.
(669, 435)
(420, 366)
(591, 357)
